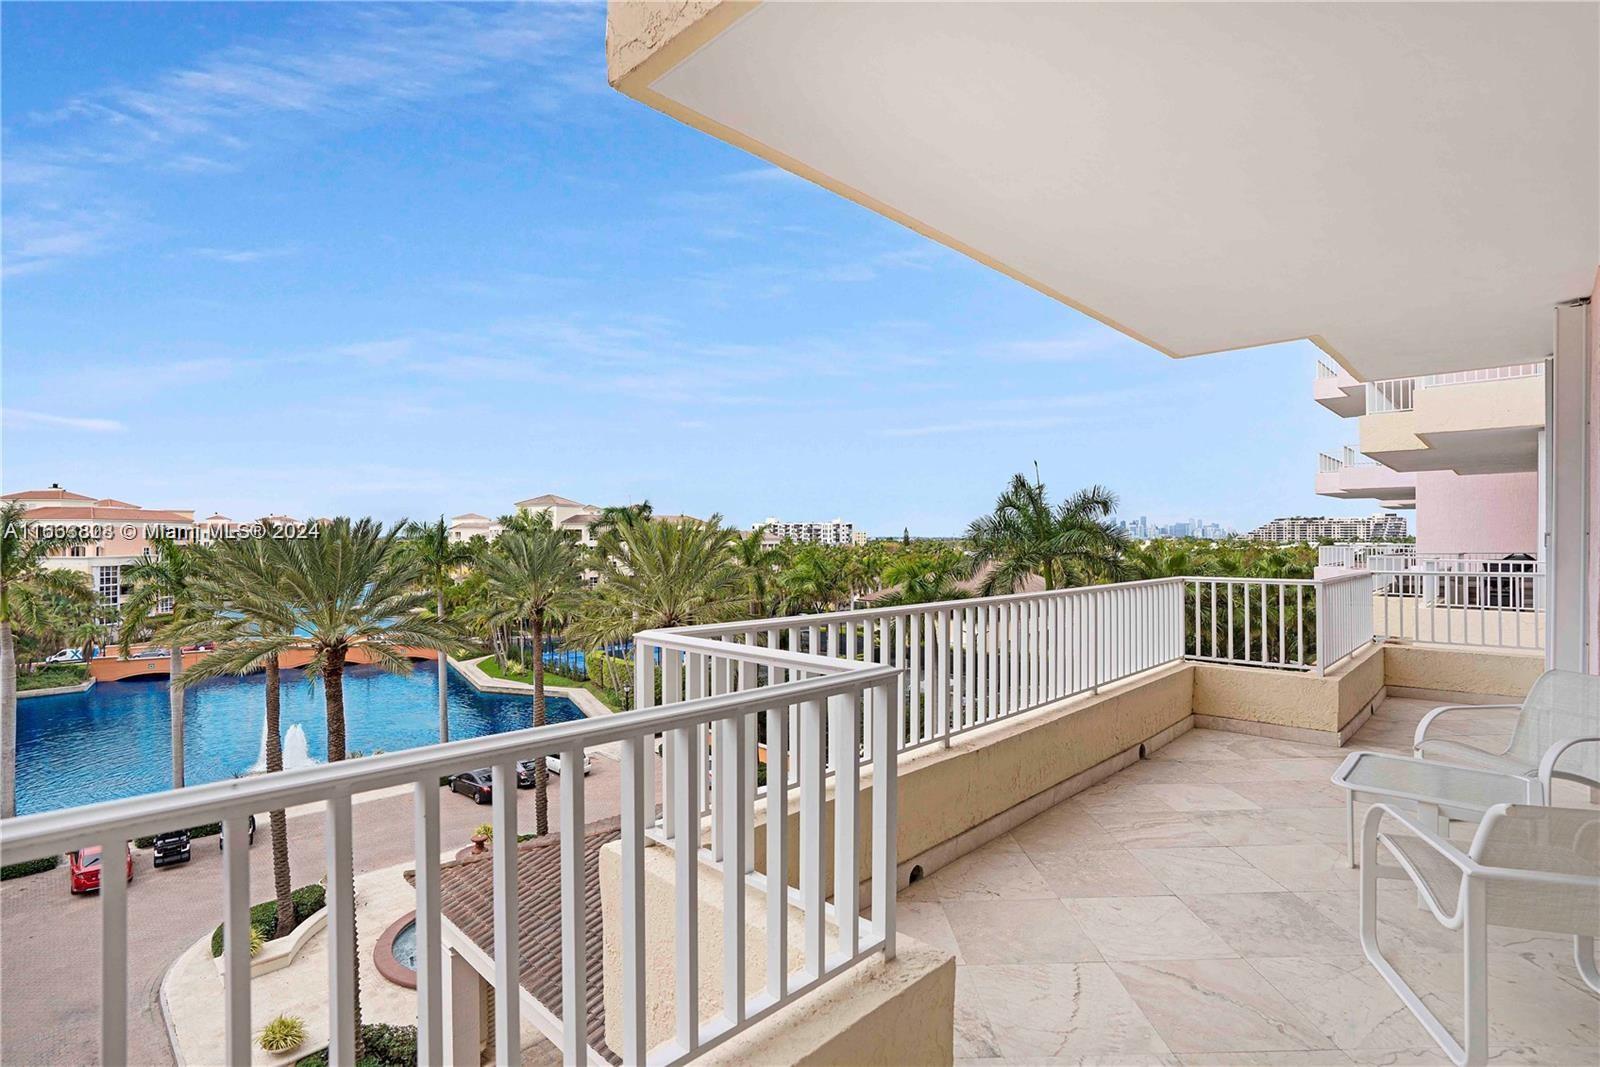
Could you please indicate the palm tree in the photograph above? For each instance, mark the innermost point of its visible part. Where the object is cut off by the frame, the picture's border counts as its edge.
(657, 573)
(535, 576)
(756, 561)
(352, 587)
(160, 605)
(241, 605)
(430, 544)
(817, 579)
(925, 578)
(1064, 545)
(24, 584)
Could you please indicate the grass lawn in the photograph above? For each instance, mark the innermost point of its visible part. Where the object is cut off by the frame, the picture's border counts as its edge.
(52, 676)
(609, 698)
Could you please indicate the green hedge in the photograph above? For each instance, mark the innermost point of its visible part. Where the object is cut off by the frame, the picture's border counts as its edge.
(387, 1046)
(210, 829)
(308, 900)
(54, 675)
(22, 870)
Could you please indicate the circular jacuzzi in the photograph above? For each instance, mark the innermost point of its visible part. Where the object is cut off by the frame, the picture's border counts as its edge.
(395, 954)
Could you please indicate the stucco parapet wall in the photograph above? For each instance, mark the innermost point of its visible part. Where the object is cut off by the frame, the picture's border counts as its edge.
(1298, 700)
(1451, 673)
(648, 38)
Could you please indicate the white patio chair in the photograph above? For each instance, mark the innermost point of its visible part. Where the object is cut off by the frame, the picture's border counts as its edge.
(1529, 867)
(1557, 734)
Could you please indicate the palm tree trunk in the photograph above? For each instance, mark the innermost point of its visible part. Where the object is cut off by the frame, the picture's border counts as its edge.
(444, 683)
(541, 773)
(282, 883)
(8, 722)
(175, 704)
(333, 693)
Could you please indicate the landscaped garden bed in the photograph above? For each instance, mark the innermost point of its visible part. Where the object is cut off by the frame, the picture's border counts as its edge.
(52, 677)
(308, 900)
(387, 1046)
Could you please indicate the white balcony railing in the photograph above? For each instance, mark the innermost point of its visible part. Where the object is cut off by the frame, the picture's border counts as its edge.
(847, 691)
(1284, 623)
(1488, 374)
(1327, 464)
(1391, 394)
(1324, 370)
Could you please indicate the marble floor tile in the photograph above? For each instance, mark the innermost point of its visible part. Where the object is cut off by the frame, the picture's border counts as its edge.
(926, 921)
(1303, 867)
(1194, 798)
(1269, 924)
(1153, 829)
(1346, 999)
(1066, 827)
(1018, 931)
(1044, 1012)
(1234, 828)
(1113, 796)
(1320, 1057)
(1401, 926)
(1104, 873)
(974, 1036)
(1146, 928)
(999, 870)
(1279, 794)
(1216, 1006)
(1205, 870)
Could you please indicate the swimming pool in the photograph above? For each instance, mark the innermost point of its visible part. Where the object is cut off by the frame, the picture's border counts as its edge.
(113, 741)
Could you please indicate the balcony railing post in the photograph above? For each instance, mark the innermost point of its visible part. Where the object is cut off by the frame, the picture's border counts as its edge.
(1320, 605)
(885, 796)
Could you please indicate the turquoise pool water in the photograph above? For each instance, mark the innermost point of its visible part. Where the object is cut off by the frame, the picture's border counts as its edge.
(113, 741)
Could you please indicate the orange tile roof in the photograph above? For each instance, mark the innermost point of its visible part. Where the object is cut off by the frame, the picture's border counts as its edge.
(116, 514)
(466, 897)
(53, 493)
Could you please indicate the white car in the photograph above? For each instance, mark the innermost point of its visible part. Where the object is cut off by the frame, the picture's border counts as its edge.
(67, 655)
(554, 763)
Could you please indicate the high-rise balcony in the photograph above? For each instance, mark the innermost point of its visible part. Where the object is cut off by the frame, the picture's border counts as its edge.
(1352, 476)
(1470, 422)
(1338, 390)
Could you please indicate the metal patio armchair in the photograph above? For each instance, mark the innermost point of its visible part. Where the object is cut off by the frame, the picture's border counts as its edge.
(1529, 867)
(1557, 733)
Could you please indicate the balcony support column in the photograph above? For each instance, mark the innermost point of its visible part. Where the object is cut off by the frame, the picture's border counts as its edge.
(1568, 382)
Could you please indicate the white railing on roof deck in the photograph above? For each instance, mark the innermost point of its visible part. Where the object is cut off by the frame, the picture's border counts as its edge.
(1325, 371)
(1327, 464)
(847, 691)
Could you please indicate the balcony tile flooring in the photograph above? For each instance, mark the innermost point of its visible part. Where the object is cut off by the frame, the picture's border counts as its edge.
(1196, 908)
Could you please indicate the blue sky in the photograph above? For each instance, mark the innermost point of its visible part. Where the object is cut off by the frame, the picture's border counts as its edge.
(332, 258)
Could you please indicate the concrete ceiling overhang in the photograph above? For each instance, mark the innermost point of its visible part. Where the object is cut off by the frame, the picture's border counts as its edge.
(1411, 186)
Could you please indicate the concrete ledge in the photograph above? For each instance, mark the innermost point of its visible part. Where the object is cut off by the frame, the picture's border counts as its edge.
(1310, 708)
(1448, 673)
(56, 690)
(880, 1011)
(591, 706)
(278, 953)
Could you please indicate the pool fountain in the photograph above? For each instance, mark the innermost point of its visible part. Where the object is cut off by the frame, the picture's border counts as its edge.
(296, 750)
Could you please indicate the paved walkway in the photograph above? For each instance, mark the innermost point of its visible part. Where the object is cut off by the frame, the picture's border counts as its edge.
(50, 956)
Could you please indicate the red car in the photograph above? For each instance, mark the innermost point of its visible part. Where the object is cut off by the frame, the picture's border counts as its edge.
(84, 866)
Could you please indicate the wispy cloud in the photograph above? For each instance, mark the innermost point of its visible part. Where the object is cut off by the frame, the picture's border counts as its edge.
(243, 255)
(932, 429)
(19, 417)
(338, 66)
(763, 176)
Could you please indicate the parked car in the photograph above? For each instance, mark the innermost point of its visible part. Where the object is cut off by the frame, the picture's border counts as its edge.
(251, 835)
(525, 774)
(554, 763)
(171, 848)
(478, 785)
(66, 655)
(203, 646)
(83, 867)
